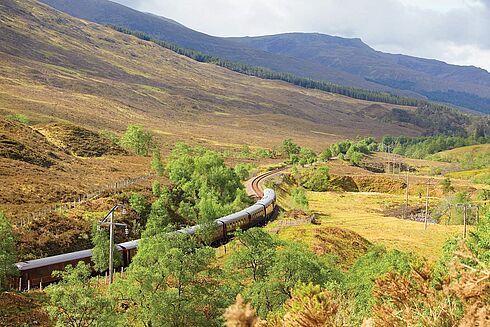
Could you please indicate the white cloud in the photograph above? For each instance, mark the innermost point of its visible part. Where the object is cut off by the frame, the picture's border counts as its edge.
(451, 30)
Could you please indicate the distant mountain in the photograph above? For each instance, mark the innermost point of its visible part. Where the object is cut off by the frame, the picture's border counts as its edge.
(339, 60)
(108, 12)
(57, 68)
(465, 86)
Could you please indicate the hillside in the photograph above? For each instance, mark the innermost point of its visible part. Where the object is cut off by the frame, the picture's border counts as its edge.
(462, 86)
(58, 68)
(108, 12)
(344, 61)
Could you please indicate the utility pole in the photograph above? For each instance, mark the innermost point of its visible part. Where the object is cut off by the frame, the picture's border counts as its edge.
(429, 183)
(465, 212)
(109, 221)
(406, 198)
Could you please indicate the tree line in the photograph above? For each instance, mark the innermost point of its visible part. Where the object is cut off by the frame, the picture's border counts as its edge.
(266, 73)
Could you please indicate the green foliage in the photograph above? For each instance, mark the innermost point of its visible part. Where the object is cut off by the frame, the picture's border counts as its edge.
(471, 161)
(7, 251)
(298, 198)
(355, 155)
(442, 267)
(202, 181)
(156, 163)
(111, 136)
(172, 282)
(290, 148)
(316, 180)
(156, 188)
(159, 217)
(479, 239)
(139, 204)
(482, 179)
(76, 301)
(100, 252)
(340, 147)
(447, 187)
(360, 278)
(423, 147)
(19, 118)
(243, 170)
(137, 139)
(325, 155)
(306, 156)
(274, 268)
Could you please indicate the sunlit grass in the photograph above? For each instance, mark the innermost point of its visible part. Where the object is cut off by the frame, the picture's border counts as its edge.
(362, 213)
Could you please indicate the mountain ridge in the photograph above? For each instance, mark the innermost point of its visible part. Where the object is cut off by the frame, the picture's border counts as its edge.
(360, 66)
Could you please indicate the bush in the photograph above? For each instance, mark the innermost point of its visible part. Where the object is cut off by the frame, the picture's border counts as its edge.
(325, 155)
(306, 156)
(298, 197)
(316, 180)
(243, 170)
(156, 163)
(138, 140)
(19, 118)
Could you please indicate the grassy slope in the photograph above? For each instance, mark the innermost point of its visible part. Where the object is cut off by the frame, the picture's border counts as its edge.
(362, 213)
(458, 153)
(58, 67)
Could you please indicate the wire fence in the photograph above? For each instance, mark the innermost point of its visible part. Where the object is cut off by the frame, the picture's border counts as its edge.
(80, 199)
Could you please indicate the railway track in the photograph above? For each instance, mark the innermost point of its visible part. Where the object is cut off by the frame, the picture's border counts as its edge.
(255, 182)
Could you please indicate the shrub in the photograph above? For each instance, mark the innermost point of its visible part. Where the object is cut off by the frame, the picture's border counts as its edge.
(298, 197)
(243, 170)
(137, 139)
(156, 163)
(19, 118)
(306, 156)
(316, 180)
(325, 155)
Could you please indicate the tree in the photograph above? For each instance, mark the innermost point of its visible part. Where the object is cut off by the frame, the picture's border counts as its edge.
(243, 170)
(138, 203)
(159, 218)
(446, 185)
(100, 252)
(306, 156)
(77, 301)
(203, 181)
(317, 180)
(325, 155)
(156, 163)
(290, 148)
(172, 282)
(255, 254)
(7, 251)
(137, 139)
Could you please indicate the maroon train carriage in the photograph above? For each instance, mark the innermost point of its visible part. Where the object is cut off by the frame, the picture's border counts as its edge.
(37, 273)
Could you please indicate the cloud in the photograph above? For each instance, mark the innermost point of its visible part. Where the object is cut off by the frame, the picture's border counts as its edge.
(425, 28)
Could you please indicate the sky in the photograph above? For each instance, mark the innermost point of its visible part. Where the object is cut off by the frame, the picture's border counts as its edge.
(455, 31)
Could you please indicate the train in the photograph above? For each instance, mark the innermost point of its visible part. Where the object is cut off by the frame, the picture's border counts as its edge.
(38, 272)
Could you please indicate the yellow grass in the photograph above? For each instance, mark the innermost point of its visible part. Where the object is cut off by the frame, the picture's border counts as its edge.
(458, 153)
(362, 213)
